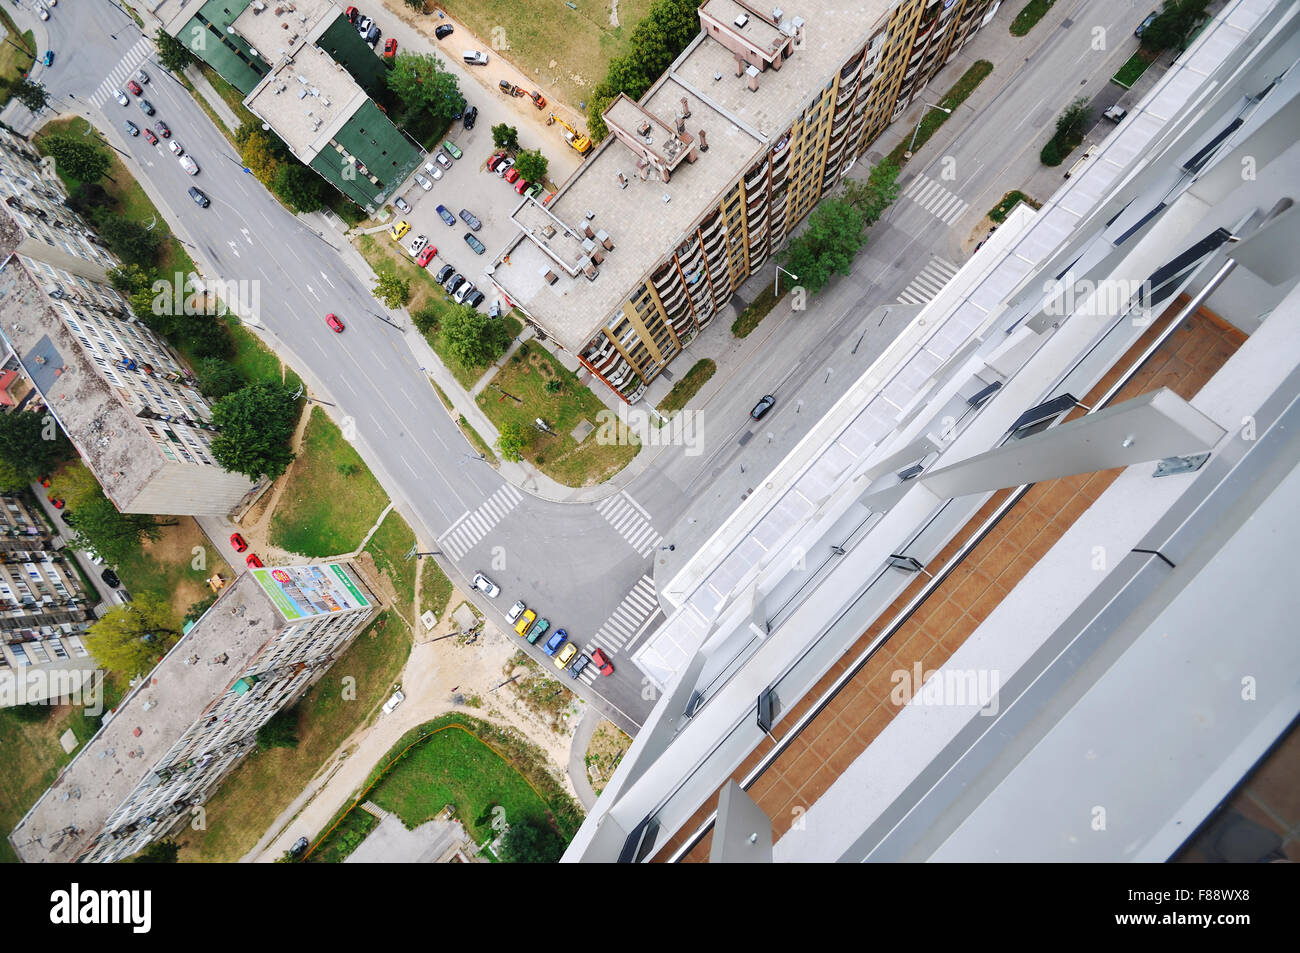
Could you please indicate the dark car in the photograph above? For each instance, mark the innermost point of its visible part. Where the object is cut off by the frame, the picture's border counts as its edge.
(454, 283)
(762, 407)
(1142, 27)
(163, 129)
(443, 31)
(471, 115)
(578, 665)
(200, 197)
(475, 244)
(131, 128)
(445, 272)
(300, 845)
(470, 219)
(147, 107)
(474, 299)
(110, 577)
(447, 217)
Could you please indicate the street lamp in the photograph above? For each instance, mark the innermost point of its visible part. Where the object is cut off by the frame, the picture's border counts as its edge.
(776, 285)
(908, 153)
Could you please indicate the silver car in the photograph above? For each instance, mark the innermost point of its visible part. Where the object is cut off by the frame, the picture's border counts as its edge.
(483, 584)
(422, 182)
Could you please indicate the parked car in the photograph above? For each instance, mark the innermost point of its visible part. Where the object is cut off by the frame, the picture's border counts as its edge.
(120, 97)
(470, 117)
(475, 244)
(504, 166)
(566, 656)
(1115, 113)
(49, 58)
(510, 174)
(515, 612)
(474, 298)
(495, 160)
(521, 185)
(422, 182)
(393, 702)
(110, 578)
(475, 58)
(470, 219)
(175, 147)
(42, 13)
(534, 190)
(45, 481)
(94, 557)
(238, 542)
(335, 324)
(252, 561)
(134, 87)
(426, 256)
(602, 662)
(390, 48)
(416, 244)
(372, 36)
(200, 197)
(363, 25)
(539, 629)
(148, 134)
(399, 229)
(555, 641)
(1142, 27)
(482, 583)
(444, 31)
(352, 14)
(442, 160)
(448, 219)
(56, 502)
(445, 272)
(454, 282)
(762, 407)
(163, 129)
(432, 171)
(189, 165)
(147, 107)
(525, 622)
(142, 76)
(131, 128)
(463, 292)
(301, 844)
(120, 596)
(580, 663)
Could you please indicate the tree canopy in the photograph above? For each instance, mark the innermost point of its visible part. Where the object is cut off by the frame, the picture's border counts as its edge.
(77, 156)
(531, 164)
(505, 137)
(392, 290)
(172, 53)
(130, 639)
(116, 536)
(828, 245)
(473, 338)
(32, 443)
(256, 425)
(531, 840)
(424, 87)
(513, 440)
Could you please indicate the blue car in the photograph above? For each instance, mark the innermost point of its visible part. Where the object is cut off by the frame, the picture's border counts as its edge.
(446, 216)
(49, 58)
(554, 642)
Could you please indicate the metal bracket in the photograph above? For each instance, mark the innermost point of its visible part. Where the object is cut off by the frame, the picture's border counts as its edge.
(1189, 464)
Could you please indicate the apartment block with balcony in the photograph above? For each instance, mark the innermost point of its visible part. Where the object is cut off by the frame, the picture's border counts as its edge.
(185, 726)
(758, 119)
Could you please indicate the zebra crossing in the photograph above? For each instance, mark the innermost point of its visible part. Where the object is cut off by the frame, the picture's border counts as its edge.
(629, 619)
(929, 282)
(935, 199)
(136, 55)
(464, 534)
(631, 522)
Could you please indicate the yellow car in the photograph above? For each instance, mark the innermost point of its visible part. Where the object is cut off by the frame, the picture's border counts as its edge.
(399, 229)
(525, 622)
(566, 656)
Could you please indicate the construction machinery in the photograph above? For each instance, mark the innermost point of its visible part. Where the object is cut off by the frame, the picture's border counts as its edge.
(539, 100)
(510, 89)
(578, 140)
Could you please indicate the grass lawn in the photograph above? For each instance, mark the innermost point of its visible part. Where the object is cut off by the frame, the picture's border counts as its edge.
(435, 588)
(257, 362)
(757, 310)
(555, 454)
(13, 62)
(330, 500)
(687, 386)
(165, 567)
(1009, 201)
(1029, 15)
(580, 43)
(32, 756)
(386, 258)
(934, 118)
(1129, 73)
(389, 546)
(476, 441)
(246, 804)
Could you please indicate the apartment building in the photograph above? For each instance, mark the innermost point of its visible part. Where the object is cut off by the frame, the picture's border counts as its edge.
(269, 636)
(304, 71)
(44, 611)
(761, 116)
(1024, 593)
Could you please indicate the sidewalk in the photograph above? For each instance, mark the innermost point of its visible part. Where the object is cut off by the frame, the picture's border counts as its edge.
(212, 97)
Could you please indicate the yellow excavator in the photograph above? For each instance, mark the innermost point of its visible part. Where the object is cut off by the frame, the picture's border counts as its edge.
(577, 140)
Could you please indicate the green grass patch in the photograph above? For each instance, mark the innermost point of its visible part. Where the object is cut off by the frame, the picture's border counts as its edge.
(258, 790)
(1029, 15)
(176, 566)
(330, 499)
(556, 454)
(934, 118)
(688, 386)
(1136, 65)
(1009, 201)
(388, 547)
(755, 312)
(14, 62)
(254, 360)
(476, 440)
(435, 588)
(442, 396)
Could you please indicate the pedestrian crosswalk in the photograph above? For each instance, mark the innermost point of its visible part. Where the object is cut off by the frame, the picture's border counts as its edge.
(935, 199)
(629, 620)
(929, 282)
(631, 522)
(136, 55)
(464, 534)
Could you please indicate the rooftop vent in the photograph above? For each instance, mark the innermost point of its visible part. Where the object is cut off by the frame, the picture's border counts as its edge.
(591, 271)
(717, 77)
(589, 215)
(549, 276)
(644, 128)
(622, 181)
(667, 198)
(777, 14)
(741, 20)
(549, 231)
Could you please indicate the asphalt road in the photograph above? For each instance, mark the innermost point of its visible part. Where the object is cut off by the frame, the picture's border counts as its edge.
(585, 566)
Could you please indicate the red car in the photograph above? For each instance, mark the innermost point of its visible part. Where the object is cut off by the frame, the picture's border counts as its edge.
(426, 256)
(45, 481)
(390, 48)
(238, 542)
(601, 661)
(58, 503)
(134, 87)
(512, 175)
(334, 323)
(521, 185)
(494, 160)
(148, 134)
(253, 561)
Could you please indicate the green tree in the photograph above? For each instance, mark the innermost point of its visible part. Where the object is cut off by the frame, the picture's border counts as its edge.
(531, 165)
(876, 194)
(1073, 122)
(424, 87)
(298, 187)
(128, 279)
(116, 536)
(77, 156)
(217, 378)
(505, 137)
(416, 5)
(531, 840)
(260, 155)
(130, 241)
(78, 486)
(828, 245)
(280, 731)
(202, 335)
(12, 478)
(130, 639)
(32, 95)
(32, 443)
(172, 53)
(472, 337)
(1171, 29)
(256, 425)
(513, 440)
(392, 290)
(159, 852)
(426, 320)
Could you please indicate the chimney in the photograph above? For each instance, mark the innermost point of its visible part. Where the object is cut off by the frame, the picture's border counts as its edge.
(602, 236)
(641, 165)
(686, 109)
(586, 230)
(752, 82)
(590, 271)
(681, 125)
(622, 181)
(704, 145)
(798, 24)
(549, 276)
(597, 257)
(740, 66)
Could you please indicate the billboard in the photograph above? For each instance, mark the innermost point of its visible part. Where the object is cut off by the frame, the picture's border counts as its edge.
(300, 592)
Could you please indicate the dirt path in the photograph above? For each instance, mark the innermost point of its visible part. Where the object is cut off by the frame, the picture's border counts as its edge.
(255, 527)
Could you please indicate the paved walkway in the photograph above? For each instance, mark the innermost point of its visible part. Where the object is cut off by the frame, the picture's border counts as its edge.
(212, 98)
(578, 757)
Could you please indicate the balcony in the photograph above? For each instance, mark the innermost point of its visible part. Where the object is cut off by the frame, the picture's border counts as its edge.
(755, 177)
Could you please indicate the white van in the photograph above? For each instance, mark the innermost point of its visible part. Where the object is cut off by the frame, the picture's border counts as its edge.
(475, 58)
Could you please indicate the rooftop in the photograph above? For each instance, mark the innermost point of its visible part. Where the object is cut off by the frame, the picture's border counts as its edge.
(277, 28)
(306, 99)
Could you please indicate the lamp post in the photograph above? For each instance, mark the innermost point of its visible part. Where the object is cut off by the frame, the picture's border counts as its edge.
(908, 153)
(777, 283)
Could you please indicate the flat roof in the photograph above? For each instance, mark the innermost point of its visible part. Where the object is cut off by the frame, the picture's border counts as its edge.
(277, 29)
(306, 100)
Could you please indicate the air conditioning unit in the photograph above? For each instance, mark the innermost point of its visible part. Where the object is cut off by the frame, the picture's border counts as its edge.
(741, 20)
